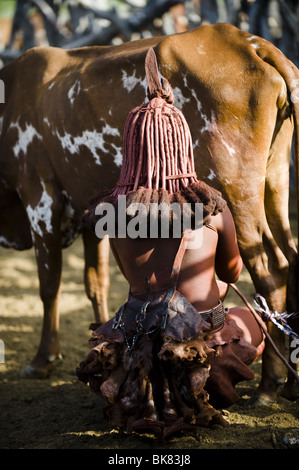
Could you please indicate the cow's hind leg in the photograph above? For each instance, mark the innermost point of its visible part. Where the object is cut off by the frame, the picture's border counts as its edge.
(277, 204)
(45, 215)
(268, 271)
(275, 250)
(290, 390)
(267, 267)
(49, 261)
(96, 274)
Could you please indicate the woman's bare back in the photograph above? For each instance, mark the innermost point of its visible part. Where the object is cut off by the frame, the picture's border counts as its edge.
(150, 260)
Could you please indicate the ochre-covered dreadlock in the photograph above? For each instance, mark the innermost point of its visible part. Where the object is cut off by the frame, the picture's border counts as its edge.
(158, 161)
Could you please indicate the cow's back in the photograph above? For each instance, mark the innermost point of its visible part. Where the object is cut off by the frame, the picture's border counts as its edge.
(78, 100)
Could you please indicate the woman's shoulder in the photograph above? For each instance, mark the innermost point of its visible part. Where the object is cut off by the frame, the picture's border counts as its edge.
(221, 221)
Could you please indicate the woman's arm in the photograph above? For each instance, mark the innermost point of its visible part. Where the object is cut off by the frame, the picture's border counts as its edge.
(115, 254)
(228, 263)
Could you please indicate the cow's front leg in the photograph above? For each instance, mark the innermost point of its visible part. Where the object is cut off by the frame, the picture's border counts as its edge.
(49, 261)
(96, 274)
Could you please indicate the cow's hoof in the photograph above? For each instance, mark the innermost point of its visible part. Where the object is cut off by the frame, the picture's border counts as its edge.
(41, 372)
(30, 373)
(259, 400)
(291, 439)
(290, 392)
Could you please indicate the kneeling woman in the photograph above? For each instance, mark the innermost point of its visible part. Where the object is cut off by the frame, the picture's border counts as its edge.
(171, 356)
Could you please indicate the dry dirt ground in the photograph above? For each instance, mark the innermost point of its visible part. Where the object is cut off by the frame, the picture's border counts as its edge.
(62, 413)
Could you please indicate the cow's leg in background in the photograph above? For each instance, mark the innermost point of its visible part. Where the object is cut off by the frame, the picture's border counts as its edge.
(96, 274)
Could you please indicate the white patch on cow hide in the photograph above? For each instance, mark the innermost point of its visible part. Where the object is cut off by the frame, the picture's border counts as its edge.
(118, 157)
(230, 149)
(1, 124)
(212, 175)
(6, 244)
(255, 44)
(24, 137)
(46, 121)
(207, 123)
(219, 136)
(130, 81)
(195, 144)
(200, 49)
(74, 91)
(70, 229)
(180, 100)
(68, 213)
(41, 213)
(93, 140)
(51, 86)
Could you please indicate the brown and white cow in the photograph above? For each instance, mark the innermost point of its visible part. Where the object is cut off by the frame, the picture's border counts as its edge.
(61, 142)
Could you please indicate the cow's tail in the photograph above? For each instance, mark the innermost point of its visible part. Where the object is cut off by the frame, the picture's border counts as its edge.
(290, 73)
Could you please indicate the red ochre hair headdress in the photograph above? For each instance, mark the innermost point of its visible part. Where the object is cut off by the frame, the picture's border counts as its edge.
(158, 161)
